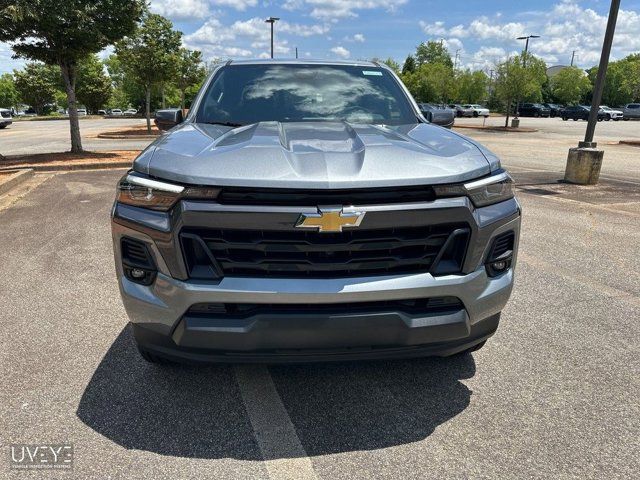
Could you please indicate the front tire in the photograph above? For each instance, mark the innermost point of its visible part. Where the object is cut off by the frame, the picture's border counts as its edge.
(475, 114)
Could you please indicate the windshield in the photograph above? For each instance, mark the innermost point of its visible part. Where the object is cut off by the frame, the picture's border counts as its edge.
(246, 94)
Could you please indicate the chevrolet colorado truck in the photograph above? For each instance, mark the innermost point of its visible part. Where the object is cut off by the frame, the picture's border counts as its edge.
(307, 211)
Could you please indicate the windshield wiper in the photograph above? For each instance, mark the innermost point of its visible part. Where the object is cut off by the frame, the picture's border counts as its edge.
(225, 124)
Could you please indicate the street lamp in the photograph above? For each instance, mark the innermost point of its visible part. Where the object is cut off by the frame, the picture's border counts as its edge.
(524, 64)
(272, 20)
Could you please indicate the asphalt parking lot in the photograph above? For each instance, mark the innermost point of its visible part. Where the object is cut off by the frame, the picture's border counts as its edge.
(45, 136)
(554, 394)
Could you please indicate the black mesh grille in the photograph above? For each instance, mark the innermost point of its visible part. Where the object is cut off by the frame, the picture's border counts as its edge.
(312, 254)
(409, 306)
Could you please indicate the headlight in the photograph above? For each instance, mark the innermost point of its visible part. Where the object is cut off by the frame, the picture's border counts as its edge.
(145, 192)
(483, 192)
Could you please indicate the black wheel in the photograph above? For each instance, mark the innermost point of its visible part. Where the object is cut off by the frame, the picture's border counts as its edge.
(608, 117)
(536, 114)
(475, 114)
(2, 126)
(565, 119)
(152, 357)
(575, 119)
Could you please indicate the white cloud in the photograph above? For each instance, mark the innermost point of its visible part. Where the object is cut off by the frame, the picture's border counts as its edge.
(331, 10)
(181, 9)
(567, 26)
(237, 4)
(246, 38)
(358, 37)
(341, 52)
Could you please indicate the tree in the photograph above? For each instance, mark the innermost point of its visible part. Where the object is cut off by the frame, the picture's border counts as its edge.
(149, 55)
(622, 83)
(35, 86)
(93, 87)
(570, 85)
(472, 86)
(8, 93)
(61, 32)
(431, 82)
(409, 65)
(433, 52)
(191, 72)
(519, 78)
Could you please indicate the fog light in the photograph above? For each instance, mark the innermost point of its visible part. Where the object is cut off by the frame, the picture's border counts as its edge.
(138, 273)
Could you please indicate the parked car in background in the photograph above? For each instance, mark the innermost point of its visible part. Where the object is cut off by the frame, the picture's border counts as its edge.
(554, 109)
(438, 114)
(82, 111)
(611, 113)
(461, 111)
(115, 112)
(5, 117)
(534, 110)
(631, 110)
(477, 110)
(579, 112)
(102, 112)
(131, 111)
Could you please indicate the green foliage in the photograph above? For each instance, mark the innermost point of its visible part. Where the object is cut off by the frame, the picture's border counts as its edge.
(62, 32)
(409, 65)
(93, 86)
(431, 82)
(149, 56)
(622, 83)
(569, 85)
(472, 86)
(392, 64)
(191, 72)
(8, 94)
(433, 52)
(520, 78)
(35, 86)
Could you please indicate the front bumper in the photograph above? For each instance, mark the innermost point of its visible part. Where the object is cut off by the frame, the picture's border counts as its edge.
(159, 312)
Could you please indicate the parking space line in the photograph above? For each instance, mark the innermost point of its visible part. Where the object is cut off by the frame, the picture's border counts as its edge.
(284, 455)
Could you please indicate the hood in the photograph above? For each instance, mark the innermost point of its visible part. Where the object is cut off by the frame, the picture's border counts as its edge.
(313, 155)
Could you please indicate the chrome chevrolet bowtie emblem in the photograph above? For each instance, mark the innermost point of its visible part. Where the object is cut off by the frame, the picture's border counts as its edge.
(330, 219)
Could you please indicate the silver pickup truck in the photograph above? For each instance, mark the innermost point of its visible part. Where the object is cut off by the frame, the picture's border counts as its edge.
(307, 211)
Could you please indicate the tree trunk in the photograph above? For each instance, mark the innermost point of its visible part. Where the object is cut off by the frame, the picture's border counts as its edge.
(68, 71)
(182, 99)
(148, 109)
(506, 122)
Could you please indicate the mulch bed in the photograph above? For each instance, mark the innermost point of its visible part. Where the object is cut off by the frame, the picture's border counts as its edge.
(122, 157)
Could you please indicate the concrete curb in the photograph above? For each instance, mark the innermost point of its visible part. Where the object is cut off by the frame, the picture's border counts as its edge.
(16, 178)
(126, 137)
(633, 143)
(499, 129)
(79, 166)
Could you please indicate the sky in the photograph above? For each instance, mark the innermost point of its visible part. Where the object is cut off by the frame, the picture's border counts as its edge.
(482, 32)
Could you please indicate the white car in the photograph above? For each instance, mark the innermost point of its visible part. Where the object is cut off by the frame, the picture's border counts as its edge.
(82, 111)
(612, 114)
(115, 112)
(478, 110)
(5, 117)
(131, 111)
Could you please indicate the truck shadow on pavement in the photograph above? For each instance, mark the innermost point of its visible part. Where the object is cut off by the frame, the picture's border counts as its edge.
(198, 412)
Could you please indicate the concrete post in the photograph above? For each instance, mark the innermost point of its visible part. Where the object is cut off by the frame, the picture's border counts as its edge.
(583, 164)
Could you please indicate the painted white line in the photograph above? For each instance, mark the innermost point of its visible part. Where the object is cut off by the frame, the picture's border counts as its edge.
(284, 455)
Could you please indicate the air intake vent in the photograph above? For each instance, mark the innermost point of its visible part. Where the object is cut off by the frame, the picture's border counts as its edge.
(137, 263)
(501, 254)
(501, 245)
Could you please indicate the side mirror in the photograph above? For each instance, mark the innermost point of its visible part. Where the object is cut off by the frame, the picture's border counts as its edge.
(169, 118)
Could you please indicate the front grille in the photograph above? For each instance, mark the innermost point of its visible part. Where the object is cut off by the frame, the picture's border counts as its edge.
(501, 245)
(267, 253)
(244, 310)
(291, 197)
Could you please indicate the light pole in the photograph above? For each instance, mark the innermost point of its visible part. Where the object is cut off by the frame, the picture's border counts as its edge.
(584, 162)
(524, 64)
(272, 20)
